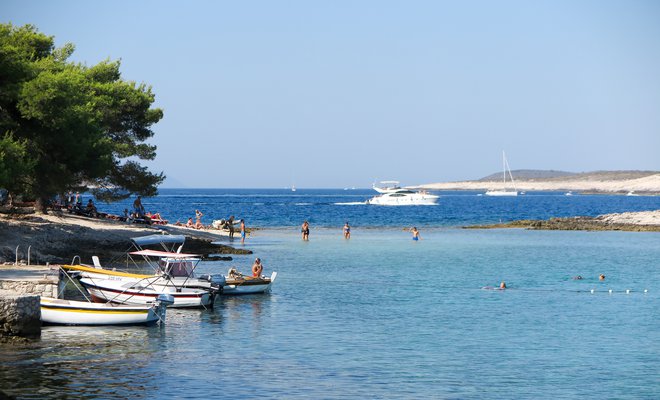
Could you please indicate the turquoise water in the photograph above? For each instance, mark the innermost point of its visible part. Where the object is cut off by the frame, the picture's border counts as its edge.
(381, 316)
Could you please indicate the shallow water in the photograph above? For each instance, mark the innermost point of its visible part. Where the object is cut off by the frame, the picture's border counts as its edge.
(381, 316)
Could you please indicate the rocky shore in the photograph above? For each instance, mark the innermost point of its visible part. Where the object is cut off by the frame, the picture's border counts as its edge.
(57, 239)
(645, 221)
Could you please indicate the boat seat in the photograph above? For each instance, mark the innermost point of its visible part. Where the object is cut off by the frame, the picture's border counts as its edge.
(96, 261)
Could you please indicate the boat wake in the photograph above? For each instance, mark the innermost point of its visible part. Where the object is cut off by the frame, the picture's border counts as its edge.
(351, 203)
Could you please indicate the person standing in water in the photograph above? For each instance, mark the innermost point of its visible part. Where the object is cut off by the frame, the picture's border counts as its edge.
(242, 231)
(415, 234)
(304, 229)
(230, 224)
(347, 231)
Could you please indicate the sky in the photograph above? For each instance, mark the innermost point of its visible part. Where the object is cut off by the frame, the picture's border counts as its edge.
(334, 94)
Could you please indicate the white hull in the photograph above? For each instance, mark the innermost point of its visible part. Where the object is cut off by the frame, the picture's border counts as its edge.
(249, 285)
(155, 281)
(415, 199)
(501, 193)
(144, 292)
(69, 312)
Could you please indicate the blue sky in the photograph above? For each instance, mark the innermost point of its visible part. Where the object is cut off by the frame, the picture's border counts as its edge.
(341, 93)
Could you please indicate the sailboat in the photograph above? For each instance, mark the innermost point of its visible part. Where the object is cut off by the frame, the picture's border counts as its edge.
(504, 191)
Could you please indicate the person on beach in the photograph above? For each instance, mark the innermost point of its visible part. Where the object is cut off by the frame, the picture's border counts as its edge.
(190, 224)
(257, 268)
(230, 224)
(198, 217)
(78, 200)
(91, 208)
(304, 229)
(347, 231)
(415, 234)
(242, 231)
(138, 207)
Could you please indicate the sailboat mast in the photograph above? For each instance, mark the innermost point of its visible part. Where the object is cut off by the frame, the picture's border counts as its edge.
(506, 164)
(503, 169)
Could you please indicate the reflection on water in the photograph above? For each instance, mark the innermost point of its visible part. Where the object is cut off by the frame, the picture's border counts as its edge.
(76, 359)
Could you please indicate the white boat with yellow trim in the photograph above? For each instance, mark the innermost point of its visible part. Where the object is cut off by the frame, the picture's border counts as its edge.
(173, 275)
(72, 312)
(128, 288)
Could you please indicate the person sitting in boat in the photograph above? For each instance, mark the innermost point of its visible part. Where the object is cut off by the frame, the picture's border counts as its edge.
(190, 224)
(257, 268)
(235, 274)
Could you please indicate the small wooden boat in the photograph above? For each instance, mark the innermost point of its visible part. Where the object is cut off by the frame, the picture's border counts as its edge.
(237, 283)
(71, 312)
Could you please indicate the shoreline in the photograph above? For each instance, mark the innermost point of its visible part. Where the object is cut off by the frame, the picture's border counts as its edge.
(648, 185)
(56, 239)
(641, 221)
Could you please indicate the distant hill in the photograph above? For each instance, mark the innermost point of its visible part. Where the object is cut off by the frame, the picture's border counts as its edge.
(528, 174)
(551, 175)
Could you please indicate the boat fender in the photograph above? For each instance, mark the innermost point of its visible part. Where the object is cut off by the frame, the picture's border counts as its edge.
(165, 299)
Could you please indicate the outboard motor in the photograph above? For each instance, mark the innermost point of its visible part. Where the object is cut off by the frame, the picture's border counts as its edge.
(218, 279)
(162, 301)
(165, 299)
(217, 283)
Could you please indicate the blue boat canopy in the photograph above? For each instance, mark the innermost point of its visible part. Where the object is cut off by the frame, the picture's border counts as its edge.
(158, 239)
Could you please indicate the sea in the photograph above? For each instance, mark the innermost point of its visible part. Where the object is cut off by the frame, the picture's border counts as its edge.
(381, 316)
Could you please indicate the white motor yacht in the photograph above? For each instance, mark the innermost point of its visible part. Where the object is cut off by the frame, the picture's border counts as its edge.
(394, 195)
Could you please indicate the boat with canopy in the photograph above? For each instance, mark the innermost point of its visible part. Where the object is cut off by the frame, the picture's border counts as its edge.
(173, 274)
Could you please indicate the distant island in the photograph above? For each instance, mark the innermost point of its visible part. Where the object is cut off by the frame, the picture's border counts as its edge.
(611, 182)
